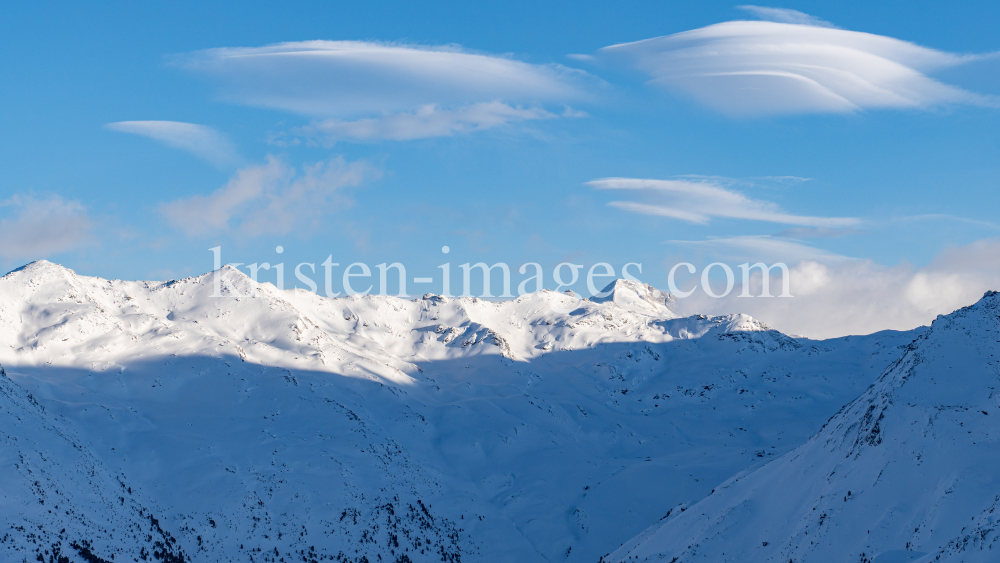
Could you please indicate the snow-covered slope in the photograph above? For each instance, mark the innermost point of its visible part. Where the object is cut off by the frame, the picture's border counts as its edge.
(266, 425)
(909, 471)
(59, 500)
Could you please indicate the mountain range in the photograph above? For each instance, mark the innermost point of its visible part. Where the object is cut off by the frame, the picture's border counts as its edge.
(192, 420)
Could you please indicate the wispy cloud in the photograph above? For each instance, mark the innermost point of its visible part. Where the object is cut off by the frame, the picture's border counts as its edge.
(817, 232)
(785, 179)
(699, 201)
(37, 228)
(784, 15)
(947, 217)
(427, 121)
(793, 64)
(759, 248)
(269, 198)
(363, 79)
(200, 140)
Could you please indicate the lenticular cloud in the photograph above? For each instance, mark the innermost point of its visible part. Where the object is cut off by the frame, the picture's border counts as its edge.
(347, 78)
(200, 140)
(747, 68)
(697, 202)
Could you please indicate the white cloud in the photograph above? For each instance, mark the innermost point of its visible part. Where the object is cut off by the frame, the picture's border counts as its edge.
(784, 15)
(785, 179)
(351, 79)
(817, 232)
(793, 65)
(427, 121)
(269, 198)
(760, 248)
(839, 296)
(699, 201)
(661, 211)
(37, 228)
(947, 217)
(200, 140)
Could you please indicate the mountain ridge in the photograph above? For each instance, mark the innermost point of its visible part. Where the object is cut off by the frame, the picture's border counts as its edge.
(544, 428)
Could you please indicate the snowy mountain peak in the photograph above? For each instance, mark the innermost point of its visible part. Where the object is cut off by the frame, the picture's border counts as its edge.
(741, 323)
(40, 268)
(987, 302)
(751, 333)
(637, 297)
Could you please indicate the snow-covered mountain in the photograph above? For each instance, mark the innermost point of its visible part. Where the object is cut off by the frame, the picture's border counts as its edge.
(269, 425)
(909, 471)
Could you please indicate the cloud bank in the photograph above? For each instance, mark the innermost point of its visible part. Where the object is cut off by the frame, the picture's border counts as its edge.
(793, 65)
(836, 296)
(269, 198)
(38, 228)
(200, 140)
(699, 201)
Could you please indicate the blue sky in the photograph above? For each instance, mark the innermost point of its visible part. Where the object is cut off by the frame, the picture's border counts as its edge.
(489, 129)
